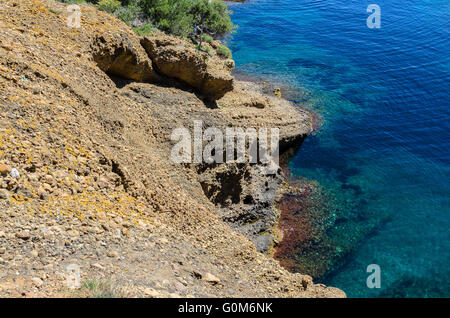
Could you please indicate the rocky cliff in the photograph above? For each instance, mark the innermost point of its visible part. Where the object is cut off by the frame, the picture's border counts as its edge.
(86, 179)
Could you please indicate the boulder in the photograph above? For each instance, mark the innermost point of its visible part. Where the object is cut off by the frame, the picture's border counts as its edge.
(178, 59)
(121, 55)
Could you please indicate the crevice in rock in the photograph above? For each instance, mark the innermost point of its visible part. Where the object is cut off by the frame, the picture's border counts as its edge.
(120, 82)
(115, 167)
(224, 188)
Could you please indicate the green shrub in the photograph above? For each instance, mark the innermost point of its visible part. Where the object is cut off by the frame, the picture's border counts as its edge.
(208, 38)
(146, 29)
(222, 50)
(180, 16)
(128, 14)
(75, 1)
(205, 49)
(109, 5)
(168, 15)
(212, 15)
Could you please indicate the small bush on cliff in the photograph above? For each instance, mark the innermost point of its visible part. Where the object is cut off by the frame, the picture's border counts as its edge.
(208, 38)
(145, 29)
(75, 1)
(109, 5)
(224, 51)
(128, 14)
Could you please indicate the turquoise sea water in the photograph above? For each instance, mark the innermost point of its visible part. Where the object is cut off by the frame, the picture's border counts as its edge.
(383, 95)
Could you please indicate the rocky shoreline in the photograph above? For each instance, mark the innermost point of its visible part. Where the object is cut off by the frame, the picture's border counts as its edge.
(86, 119)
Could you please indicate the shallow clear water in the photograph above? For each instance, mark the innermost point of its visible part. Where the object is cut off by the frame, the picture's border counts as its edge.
(384, 97)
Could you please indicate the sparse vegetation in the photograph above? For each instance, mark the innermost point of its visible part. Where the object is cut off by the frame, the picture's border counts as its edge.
(222, 50)
(74, 1)
(129, 13)
(109, 5)
(145, 29)
(97, 288)
(205, 49)
(208, 38)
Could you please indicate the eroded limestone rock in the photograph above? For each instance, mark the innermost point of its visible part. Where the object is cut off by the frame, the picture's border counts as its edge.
(122, 56)
(178, 59)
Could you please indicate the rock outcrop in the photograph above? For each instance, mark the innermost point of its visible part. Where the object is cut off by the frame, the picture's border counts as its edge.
(178, 59)
(163, 57)
(123, 56)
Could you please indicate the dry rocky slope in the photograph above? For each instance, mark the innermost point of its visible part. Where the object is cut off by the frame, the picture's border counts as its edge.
(85, 117)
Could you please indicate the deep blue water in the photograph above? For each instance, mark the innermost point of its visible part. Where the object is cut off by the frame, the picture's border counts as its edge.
(384, 98)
